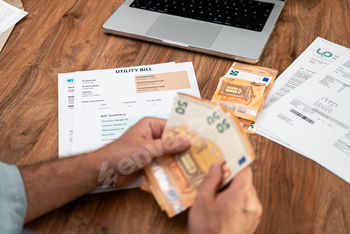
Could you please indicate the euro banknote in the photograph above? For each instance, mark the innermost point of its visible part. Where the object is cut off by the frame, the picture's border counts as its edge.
(244, 89)
(215, 136)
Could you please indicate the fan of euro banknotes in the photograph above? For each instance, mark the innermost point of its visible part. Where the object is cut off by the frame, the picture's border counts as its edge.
(215, 135)
(243, 89)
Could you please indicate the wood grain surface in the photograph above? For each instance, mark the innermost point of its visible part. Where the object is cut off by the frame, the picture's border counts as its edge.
(298, 195)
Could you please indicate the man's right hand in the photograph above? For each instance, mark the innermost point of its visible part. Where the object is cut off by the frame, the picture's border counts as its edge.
(236, 209)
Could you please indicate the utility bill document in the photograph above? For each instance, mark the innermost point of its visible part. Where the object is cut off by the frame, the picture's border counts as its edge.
(66, 96)
(108, 102)
(315, 117)
(66, 92)
(99, 106)
(316, 57)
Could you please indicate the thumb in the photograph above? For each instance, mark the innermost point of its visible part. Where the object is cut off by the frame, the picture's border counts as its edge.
(211, 183)
(165, 146)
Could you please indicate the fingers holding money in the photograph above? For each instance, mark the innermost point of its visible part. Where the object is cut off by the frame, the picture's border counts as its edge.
(235, 209)
(211, 184)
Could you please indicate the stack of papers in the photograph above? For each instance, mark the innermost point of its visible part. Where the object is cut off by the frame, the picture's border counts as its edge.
(307, 109)
(97, 107)
(11, 11)
(9, 15)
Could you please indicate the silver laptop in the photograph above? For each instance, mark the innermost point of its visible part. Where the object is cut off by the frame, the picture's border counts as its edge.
(235, 29)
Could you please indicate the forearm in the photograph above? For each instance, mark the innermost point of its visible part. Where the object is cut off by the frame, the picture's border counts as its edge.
(52, 184)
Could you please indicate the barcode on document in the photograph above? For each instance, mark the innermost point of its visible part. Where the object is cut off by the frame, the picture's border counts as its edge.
(302, 116)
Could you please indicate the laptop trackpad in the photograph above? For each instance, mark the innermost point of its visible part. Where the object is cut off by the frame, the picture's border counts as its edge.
(184, 31)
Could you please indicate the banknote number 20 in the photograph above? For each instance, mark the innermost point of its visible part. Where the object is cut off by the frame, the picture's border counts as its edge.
(221, 127)
(181, 108)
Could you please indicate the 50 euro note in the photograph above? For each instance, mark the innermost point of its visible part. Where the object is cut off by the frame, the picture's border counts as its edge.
(244, 89)
(215, 137)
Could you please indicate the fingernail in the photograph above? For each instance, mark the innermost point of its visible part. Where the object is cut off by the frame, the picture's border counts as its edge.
(184, 141)
(214, 166)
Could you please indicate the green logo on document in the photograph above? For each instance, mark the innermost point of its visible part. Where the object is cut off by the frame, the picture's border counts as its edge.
(234, 73)
(325, 54)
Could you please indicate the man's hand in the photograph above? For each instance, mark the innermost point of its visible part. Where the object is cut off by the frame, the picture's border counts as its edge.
(136, 148)
(52, 184)
(236, 209)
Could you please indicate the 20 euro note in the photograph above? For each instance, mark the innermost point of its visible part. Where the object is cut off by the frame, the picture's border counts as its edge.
(215, 136)
(244, 89)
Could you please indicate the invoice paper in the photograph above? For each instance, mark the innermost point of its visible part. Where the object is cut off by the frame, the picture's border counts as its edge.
(66, 94)
(66, 103)
(9, 16)
(315, 117)
(6, 34)
(108, 102)
(316, 57)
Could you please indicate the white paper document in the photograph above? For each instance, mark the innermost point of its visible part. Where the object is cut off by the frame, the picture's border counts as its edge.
(9, 16)
(108, 102)
(315, 117)
(66, 96)
(317, 56)
(66, 92)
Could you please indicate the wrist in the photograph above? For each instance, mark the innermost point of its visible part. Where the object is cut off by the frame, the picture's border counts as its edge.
(101, 162)
(93, 163)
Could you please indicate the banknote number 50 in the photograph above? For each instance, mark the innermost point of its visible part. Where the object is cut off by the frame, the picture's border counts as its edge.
(221, 127)
(211, 119)
(181, 108)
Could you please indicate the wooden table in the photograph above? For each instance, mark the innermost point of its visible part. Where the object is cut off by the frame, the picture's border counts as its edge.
(298, 195)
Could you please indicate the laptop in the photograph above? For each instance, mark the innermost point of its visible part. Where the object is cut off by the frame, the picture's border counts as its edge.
(235, 29)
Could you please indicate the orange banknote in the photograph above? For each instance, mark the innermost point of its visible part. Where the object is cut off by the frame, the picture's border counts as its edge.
(215, 137)
(244, 89)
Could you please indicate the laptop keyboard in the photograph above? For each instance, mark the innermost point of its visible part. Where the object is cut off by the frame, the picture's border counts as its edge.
(247, 14)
